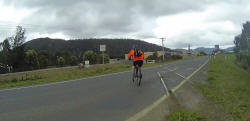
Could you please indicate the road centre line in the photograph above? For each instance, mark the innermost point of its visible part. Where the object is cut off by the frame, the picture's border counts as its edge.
(180, 75)
(172, 69)
(147, 110)
(163, 83)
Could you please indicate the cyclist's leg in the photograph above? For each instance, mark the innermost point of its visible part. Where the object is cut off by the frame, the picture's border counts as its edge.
(133, 75)
(140, 74)
(140, 65)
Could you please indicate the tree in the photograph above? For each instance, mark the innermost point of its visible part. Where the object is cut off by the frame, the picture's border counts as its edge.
(19, 38)
(242, 41)
(17, 53)
(237, 43)
(43, 58)
(5, 53)
(91, 56)
(153, 57)
(61, 61)
(43, 61)
(73, 60)
(31, 59)
(202, 53)
(66, 56)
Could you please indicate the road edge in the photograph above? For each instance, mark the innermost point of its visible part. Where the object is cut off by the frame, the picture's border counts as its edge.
(144, 112)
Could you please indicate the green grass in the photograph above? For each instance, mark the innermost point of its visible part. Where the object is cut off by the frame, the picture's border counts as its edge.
(185, 115)
(56, 75)
(63, 74)
(229, 86)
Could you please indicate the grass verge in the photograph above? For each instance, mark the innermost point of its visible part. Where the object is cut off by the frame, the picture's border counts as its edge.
(228, 85)
(185, 115)
(63, 74)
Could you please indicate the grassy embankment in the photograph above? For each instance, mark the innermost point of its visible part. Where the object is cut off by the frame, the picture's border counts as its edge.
(185, 115)
(228, 85)
(63, 74)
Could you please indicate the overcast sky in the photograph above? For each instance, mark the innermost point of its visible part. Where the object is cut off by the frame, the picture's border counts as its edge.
(198, 22)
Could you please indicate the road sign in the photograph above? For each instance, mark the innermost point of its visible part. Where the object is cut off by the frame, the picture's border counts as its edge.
(86, 63)
(102, 48)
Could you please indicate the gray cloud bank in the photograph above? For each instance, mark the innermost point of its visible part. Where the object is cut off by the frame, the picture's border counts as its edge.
(101, 18)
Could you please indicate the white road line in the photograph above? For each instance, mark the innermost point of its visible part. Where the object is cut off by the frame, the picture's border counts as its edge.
(147, 110)
(180, 75)
(172, 69)
(163, 83)
(186, 79)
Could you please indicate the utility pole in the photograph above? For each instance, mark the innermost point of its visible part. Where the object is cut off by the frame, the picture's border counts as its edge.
(162, 40)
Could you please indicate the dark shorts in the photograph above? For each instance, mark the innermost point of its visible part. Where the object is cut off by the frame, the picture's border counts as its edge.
(139, 63)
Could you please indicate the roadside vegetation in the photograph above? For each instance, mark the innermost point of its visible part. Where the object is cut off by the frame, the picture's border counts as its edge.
(185, 115)
(242, 47)
(228, 85)
(68, 73)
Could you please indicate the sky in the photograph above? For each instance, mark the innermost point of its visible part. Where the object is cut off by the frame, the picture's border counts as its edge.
(200, 23)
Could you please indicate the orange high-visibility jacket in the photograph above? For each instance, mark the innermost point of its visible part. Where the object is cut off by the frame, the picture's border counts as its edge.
(132, 52)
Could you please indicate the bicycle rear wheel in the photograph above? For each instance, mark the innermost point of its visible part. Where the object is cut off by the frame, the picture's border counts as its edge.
(138, 79)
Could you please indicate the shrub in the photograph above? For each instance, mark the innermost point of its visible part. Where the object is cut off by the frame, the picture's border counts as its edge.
(202, 53)
(61, 61)
(176, 57)
(99, 58)
(90, 56)
(73, 60)
(243, 60)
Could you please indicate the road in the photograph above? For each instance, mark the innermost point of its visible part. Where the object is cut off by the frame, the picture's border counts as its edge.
(106, 98)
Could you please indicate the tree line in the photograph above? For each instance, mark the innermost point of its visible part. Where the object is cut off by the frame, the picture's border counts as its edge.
(116, 48)
(242, 46)
(15, 55)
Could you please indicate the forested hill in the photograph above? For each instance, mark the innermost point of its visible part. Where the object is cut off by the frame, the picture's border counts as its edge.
(116, 48)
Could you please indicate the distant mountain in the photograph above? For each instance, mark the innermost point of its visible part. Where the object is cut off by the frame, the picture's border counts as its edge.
(206, 50)
(181, 50)
(116, 48)
(230, 49)
(210, 50)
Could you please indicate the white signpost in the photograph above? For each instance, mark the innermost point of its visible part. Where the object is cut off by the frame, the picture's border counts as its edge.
(86, 63)
(102, 49)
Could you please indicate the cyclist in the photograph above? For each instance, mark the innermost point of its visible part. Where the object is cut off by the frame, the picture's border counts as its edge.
(138, 57)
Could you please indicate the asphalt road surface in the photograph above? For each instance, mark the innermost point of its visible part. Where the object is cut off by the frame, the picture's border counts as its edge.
(105, 98)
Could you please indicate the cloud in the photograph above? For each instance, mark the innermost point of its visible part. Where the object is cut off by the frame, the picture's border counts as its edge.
(200, 22)
(217, 24)
(96, 17)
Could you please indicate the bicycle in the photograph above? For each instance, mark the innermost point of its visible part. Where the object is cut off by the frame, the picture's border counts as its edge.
(136, 76)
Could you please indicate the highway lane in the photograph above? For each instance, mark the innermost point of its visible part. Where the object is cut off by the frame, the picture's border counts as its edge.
(106, 98)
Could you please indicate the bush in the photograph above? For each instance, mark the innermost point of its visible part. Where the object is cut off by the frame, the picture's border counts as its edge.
(99, 58)
(73, 60)
(61, 61)
(202, 53)
(31, 59)
(153, 57)
(243, 60)
(91, 56)
(43, 61)
(176, 57)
